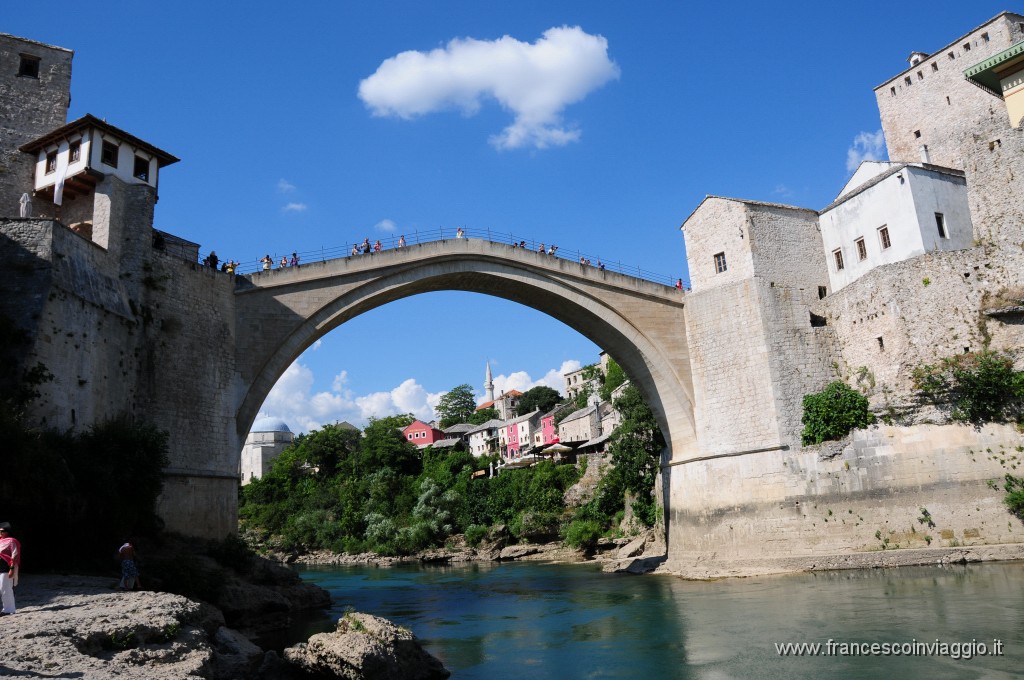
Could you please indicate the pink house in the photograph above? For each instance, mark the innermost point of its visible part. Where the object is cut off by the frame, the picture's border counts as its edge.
(512, 437)
(421, 434)
(548, 431)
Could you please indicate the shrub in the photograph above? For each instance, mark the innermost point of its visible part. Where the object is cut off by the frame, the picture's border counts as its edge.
(1014, 499)
(583, 534)
(982, 386)
(474, 534)
(832, 413)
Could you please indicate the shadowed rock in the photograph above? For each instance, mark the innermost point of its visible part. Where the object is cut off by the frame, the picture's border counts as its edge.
(365, 647)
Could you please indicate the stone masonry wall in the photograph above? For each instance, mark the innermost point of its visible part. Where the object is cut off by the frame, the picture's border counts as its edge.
(29, 108)
(869, 497)
(717, 225)
(732, 381)
(145, 335)
(924, 309)
(939, 102)
(785, 245)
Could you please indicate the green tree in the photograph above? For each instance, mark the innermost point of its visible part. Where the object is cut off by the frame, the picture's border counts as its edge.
(326, 449)
(833, 412)
(636, 446)
(482, 416)
(982, 387)
(540, 397)
(456, 405)
(614, 377)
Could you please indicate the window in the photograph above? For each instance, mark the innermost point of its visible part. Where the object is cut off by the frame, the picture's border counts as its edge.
(862, 249)
(920, 76)
(51, 162)
(881, 344)
(883, 237)
(951, 56)
(967, 47)
(908, 81)
(940, 222)
(893, 90)
(984, 36)
(917, 134)
(141, 170)
(838, 255)
(822, 292)
(29, 66)
(75, 152)
(720, 263)
(108, 154)
(935, 66)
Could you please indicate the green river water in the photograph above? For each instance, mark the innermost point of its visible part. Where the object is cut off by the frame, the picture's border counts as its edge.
(530, 620)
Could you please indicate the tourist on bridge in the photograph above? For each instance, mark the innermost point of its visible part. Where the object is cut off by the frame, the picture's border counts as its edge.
(679, 284)
(459, 233)
(10, 561)
(355, 249)
(401, 241)
(552, 249)
(267, 262)
(284, 261)
(542, 249)
(212, 259)
(295, 260)
(366, 246)
(377, 247)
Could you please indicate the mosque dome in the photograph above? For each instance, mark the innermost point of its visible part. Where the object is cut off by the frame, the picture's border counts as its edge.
(269, 425)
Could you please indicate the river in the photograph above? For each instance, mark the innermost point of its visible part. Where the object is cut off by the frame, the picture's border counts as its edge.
(532, 620)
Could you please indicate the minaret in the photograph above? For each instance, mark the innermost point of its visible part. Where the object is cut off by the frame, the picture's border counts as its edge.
(489, 384)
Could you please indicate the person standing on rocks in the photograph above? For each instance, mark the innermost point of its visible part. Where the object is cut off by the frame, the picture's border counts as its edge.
(129, 568)
(10, 560)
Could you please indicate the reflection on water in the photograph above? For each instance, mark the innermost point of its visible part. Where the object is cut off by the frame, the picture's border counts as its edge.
(572, 621)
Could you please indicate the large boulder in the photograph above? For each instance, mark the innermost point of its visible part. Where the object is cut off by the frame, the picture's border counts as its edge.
(365, 647)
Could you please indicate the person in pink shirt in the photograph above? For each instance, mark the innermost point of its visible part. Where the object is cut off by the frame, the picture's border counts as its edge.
(10, 560)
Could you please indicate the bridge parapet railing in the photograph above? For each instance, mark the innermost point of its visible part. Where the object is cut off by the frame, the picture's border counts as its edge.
(416, 237)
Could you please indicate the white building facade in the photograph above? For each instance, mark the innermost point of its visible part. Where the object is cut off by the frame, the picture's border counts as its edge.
(890, 212)
(267, 439)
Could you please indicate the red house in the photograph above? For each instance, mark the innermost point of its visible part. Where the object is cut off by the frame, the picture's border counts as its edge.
(421, 434)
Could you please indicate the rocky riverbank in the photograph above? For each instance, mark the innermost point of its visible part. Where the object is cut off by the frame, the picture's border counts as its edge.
(81, 627)
(635, 554)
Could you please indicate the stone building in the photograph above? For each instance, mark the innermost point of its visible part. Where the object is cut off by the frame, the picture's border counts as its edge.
(109, 313)
(267, 439)
(756, 269)
(35, 93)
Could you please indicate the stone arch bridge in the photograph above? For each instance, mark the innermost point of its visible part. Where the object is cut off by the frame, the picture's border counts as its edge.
(279, 313)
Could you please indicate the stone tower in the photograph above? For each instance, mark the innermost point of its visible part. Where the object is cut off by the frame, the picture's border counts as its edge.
(489, 384)
(35, 92)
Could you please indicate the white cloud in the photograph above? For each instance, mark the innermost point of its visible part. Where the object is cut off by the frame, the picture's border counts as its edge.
(521, 380)
(385, 225)
(867, 146)
(536, 82)
(293, 401)
(294, 207)
(284, 186)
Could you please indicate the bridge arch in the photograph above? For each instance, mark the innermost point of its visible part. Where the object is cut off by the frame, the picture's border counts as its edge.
(280, 313)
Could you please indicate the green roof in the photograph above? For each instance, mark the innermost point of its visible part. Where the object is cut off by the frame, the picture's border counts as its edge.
(984, 74)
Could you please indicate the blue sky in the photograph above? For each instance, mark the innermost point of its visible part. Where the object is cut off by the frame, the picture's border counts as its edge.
(595, 125)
